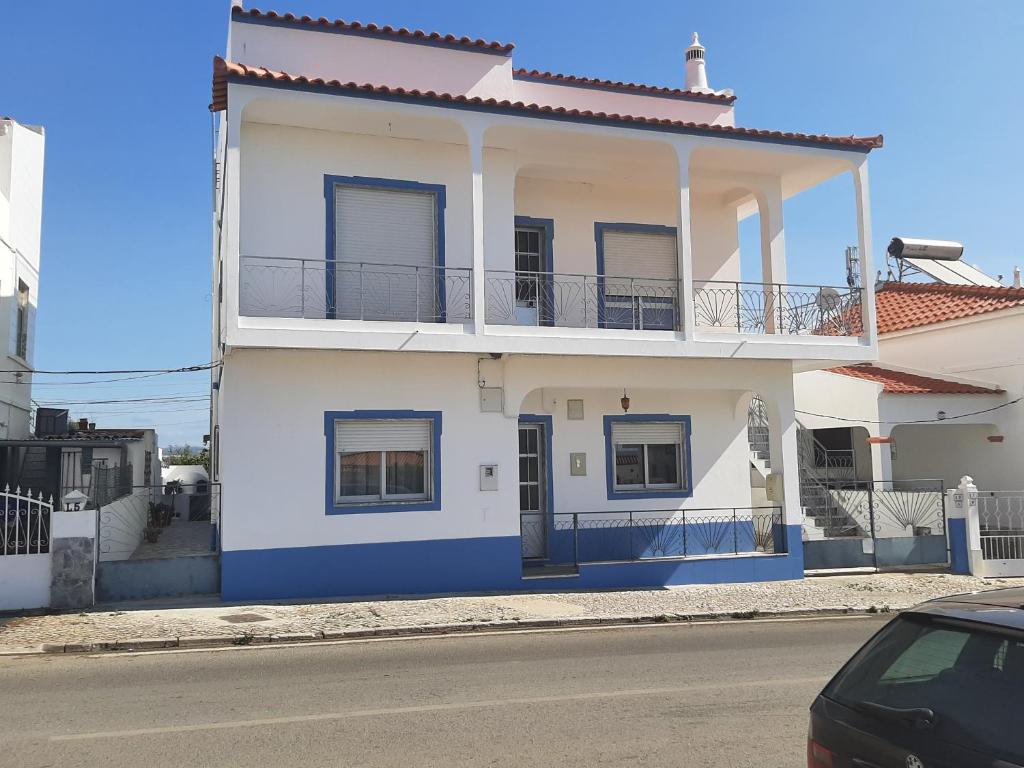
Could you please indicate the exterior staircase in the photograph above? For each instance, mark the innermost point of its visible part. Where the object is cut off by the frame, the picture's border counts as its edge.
(822, 516)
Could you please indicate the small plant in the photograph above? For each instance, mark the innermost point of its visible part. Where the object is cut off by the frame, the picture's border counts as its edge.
(152, 533)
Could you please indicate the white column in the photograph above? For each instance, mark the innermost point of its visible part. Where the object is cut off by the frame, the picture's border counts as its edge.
(867, 263)
(773, 251)
(684, 240)
(230, 253)
(782, 429)
(773, 232)
(475, 136)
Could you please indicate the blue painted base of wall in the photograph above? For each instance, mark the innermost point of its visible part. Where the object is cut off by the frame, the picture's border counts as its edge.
(467, 565)
(959, 557)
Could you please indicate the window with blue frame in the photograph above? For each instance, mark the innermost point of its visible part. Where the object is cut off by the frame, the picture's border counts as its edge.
(382, 461)
(648, 456)
(637, 267)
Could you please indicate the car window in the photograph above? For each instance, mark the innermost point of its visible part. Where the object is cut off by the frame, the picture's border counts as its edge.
(971, 677)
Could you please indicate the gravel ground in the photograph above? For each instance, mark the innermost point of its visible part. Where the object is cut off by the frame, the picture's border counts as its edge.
(257, 622)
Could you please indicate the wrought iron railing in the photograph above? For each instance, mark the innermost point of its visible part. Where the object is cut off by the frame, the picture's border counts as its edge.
(1001, 519)
(24, 523)
(581, 301)
(572, 538)
(325, 288)
(772, 308)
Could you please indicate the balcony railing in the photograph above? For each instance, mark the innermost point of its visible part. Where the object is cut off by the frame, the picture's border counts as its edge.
(772, 308)
(319, 288)
(572, 538)
(581, 301)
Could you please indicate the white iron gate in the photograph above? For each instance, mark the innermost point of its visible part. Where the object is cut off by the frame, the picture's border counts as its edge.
(1001, 520)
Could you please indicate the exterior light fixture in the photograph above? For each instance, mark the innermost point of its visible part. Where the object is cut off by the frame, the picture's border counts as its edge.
(624, 401)
(941, 415)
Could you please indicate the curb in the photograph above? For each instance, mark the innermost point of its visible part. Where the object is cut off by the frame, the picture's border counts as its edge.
(435, 630)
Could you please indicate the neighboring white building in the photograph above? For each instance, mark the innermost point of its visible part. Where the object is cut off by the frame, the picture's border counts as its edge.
(951, 359)
(21, 209)
(485, 328)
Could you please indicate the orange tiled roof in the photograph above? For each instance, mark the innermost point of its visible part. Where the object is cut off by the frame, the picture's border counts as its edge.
(340, 25)
(899, 306)
(899, 383)
(647, 90)
(225, 70)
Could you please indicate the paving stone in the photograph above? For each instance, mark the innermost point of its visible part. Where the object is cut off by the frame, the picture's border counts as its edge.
(204, 625)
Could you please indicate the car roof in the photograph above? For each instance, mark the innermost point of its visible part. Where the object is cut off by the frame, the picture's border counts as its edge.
(998, 607)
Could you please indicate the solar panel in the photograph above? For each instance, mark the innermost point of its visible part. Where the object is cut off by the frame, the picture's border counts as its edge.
(953, 272)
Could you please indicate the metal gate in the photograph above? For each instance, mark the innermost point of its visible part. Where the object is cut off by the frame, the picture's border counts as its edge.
(876, 524)
(1001, 520)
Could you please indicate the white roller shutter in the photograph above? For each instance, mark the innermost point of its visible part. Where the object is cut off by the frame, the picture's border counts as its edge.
(392, 227)
(658, 432)
(640, 254)
(382, 435)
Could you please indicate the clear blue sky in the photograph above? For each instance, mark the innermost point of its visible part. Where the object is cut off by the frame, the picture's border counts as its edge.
(122, 89)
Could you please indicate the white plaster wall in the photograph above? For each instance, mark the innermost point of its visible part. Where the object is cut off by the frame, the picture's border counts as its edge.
(24, 582)
(354, 58)
(718, 445)
(950, 451)
(575, 207)
(283, 212)
(275, 496)
(833, 394)
(986, 349)
(617, 102)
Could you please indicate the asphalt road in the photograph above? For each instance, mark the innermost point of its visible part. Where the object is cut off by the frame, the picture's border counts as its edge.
(731, 694)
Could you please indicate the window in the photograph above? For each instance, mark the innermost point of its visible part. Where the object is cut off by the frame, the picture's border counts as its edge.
(21, 346)
(970, 675)
(638, 264)
(386, 248)
(384, 461)
(528, 264)
(648, 456)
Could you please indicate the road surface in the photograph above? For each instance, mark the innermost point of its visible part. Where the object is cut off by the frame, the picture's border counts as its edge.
(731, 694)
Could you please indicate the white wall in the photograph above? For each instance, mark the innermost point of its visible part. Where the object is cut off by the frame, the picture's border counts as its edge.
(986, 349)
(622, 103)
(21, 200)
(352, 58)
(24, 582)
(277, 400)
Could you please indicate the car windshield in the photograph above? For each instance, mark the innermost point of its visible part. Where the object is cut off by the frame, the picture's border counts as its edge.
(970, 676)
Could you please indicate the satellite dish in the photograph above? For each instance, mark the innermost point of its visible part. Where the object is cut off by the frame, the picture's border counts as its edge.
(828, 300)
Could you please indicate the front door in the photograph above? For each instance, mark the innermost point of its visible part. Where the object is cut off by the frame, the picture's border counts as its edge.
(533, 491)
(529, 260)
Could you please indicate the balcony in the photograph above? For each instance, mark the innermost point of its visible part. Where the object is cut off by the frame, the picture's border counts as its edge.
(772, 308)
(278, 287)
(327, 289)
(581, 301)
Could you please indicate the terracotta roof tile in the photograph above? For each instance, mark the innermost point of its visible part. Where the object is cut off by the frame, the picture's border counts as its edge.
(401, 33)
(647, 90)
(899, 306)
(223, 70)
(900, 383)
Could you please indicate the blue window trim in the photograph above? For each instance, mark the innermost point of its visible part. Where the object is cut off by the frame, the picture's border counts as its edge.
(600, 227)
(331, 182)
(546, 421)
(609, 458)
(433, 504)
(547, 226)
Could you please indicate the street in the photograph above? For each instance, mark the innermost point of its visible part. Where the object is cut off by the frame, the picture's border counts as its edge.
(730, 694)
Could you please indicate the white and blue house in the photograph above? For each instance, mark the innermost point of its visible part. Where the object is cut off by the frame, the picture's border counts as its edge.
(485, 328)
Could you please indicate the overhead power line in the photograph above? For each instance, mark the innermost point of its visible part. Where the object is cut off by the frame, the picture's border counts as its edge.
(912, 421)
(186, 369)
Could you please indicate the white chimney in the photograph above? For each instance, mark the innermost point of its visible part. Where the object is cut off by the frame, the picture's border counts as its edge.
(696, 76)
(1016, 277)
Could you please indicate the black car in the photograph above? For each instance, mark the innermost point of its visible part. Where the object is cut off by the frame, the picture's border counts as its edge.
(940, 686)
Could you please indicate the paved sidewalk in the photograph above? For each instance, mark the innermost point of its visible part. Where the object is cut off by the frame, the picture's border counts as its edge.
(173, 624)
